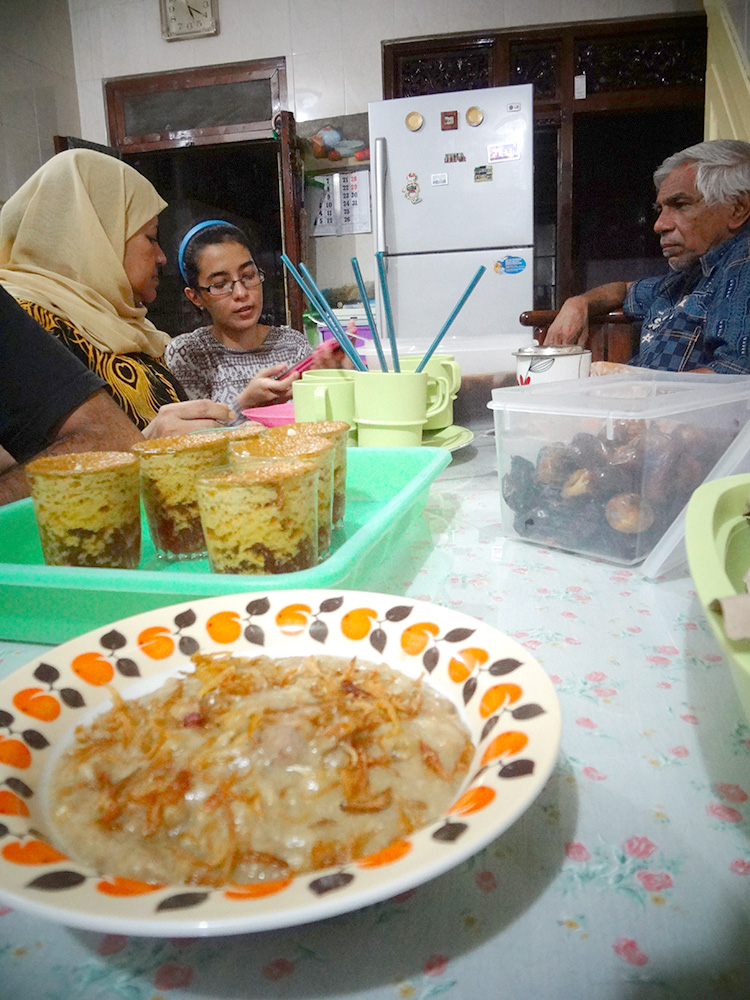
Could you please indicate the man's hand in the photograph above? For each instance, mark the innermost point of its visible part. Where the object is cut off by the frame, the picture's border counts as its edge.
(192, 415)
(571, 325)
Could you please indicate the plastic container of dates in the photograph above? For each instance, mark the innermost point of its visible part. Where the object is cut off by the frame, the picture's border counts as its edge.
(604, 466)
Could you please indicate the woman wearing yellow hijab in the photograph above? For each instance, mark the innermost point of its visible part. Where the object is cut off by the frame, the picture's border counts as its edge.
(79, 251)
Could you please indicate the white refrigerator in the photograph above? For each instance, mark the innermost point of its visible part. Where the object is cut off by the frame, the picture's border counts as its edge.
(452, 189)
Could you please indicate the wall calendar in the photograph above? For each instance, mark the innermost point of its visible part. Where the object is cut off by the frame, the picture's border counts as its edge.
(345, 207)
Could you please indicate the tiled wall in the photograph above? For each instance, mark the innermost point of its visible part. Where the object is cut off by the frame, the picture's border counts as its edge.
(332, 47)
(38, 96)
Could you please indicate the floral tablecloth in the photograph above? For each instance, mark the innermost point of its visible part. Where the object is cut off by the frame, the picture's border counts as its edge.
(629, 877)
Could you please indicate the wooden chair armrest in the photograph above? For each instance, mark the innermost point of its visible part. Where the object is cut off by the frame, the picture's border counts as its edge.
(544, 317)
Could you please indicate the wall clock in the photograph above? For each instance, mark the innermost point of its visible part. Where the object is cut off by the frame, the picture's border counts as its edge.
(188, 19)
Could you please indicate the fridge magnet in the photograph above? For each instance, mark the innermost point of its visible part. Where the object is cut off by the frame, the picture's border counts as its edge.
(503, 151)
(448, 120)
(454, 158)
(411, 189)
(510, 265)
(474, 116)
(439, 180)
(483, 173)
(414, 121)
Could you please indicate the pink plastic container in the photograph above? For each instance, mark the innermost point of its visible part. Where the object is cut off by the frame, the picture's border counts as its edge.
(272, 416)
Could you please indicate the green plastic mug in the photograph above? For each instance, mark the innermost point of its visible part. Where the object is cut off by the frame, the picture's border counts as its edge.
(391, 408)
(328, 375)
(321, 399)
(440, 367)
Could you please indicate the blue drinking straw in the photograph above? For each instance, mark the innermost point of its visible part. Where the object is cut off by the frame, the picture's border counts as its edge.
(345, 344)
(450, 319)
(321, 310)
(387, 309)
(333, 324)
(370, 317)
(320, 298)
(305, 287)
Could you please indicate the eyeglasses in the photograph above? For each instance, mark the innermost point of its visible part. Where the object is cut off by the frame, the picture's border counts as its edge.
(220, 289)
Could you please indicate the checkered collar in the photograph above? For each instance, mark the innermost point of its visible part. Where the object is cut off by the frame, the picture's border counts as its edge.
(711, 258)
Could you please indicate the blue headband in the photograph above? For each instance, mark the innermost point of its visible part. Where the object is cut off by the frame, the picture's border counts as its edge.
(188, 237)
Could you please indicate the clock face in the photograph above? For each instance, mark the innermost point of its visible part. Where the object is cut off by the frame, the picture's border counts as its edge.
(188, 18)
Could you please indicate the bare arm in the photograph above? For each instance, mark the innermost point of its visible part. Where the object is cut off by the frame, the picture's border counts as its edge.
(98, 424)
(571, 325)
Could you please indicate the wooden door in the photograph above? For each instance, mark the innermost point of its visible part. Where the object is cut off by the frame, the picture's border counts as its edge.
(243, 102)
(159, 122)
(291, 180)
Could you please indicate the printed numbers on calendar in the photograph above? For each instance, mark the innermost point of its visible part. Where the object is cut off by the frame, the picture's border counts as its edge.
(345, 206)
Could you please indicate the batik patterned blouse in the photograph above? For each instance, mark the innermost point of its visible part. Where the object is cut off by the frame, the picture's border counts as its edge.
(138, 383)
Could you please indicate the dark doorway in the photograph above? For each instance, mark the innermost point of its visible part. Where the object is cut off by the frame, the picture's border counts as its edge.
(615, 155)
(237, 182)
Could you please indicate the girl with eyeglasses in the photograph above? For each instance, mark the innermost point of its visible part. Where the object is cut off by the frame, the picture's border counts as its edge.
(235, 359)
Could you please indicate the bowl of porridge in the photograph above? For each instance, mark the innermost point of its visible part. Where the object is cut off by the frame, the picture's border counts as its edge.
(261, 760)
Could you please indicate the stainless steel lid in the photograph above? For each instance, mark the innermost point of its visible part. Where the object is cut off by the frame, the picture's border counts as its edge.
(549, 351)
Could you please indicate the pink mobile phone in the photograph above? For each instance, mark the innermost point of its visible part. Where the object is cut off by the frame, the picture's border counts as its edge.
(302, 365)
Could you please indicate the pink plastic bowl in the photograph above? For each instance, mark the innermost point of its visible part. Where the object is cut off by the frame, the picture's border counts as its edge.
(272, 416)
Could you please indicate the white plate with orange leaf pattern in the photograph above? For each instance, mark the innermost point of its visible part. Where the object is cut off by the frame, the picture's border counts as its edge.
(501, 692)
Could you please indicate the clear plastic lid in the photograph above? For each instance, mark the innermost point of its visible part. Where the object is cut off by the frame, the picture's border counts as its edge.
(669, 553)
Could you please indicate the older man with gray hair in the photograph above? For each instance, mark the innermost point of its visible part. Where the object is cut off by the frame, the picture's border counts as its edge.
(696, 317)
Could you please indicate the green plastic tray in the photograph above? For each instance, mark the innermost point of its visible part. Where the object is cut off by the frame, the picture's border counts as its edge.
(717, 538)
(386, 491)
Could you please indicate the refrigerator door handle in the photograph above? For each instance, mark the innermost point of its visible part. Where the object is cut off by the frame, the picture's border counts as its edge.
(379, 168)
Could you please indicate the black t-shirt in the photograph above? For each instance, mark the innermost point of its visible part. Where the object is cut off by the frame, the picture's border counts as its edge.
(40, 382)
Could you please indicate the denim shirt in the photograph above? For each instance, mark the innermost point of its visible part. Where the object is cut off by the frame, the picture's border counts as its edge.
(699, 318)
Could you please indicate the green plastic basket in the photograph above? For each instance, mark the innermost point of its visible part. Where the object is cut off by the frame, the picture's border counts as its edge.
(386, 492)
(717, 538)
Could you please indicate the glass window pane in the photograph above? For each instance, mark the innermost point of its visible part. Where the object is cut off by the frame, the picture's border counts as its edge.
(198, 107)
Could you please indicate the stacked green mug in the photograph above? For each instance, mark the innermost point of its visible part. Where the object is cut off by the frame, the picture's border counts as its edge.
(325, 394)
(440, 367)
(391, 408)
